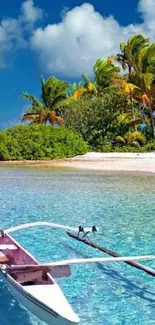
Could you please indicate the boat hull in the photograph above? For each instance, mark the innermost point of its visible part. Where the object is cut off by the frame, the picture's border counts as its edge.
(35, 306)
(39, 295)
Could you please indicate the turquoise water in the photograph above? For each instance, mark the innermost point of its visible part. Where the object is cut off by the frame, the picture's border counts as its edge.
(122, 206)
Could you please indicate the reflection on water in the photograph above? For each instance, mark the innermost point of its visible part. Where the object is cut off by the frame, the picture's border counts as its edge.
(122, 206)
(130, 288)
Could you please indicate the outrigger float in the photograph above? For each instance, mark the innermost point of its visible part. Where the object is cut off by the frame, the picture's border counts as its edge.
(34, 285)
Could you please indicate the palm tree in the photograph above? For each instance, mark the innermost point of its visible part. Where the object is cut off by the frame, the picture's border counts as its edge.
(76, 90)
(53, 91)
(86, 86)
(144, 78)
(89, 85)
(73, 88)
(128, 89)
(138, 56)
(129, 57)
(105, 72)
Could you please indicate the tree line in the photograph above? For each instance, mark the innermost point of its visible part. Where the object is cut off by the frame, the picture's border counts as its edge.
(112, 112)
(117, 106)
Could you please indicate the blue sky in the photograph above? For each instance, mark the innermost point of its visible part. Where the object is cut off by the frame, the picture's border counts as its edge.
(40, 37)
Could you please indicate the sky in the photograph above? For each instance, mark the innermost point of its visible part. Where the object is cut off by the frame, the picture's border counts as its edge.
(63, 38)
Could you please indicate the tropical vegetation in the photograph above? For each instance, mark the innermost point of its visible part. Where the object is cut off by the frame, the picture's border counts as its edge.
(39, 142)
(113, 111)
(52, 92)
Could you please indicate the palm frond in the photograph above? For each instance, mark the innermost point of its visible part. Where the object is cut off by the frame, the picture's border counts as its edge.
(54, 119)
(53, 90)
(105, 73)
(148, 78)
(30, 117)
(125, 86)
(122, 46)
(138, 42)
(43, 89)
(79, 92)
(36, 107)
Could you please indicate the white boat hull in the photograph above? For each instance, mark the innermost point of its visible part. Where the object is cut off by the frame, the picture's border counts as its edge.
(34, 305)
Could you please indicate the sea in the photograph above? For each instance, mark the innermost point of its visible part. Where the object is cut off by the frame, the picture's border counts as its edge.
(122, 206)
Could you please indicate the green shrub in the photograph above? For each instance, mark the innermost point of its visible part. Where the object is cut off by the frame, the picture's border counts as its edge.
(116, 148)
(150, 146)
(4, 153)
(128, 149)
(107, 148)
(40, 142)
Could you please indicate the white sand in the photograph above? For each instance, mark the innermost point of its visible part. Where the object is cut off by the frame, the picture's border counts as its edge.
(117, 162)
(125, 155)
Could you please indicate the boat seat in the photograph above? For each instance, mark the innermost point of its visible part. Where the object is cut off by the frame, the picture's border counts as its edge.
(3, 258)
(3, 247)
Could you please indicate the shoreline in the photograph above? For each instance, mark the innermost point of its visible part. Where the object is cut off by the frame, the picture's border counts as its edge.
(105, 162)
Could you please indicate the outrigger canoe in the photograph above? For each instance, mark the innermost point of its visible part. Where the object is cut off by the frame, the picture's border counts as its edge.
(34, 285)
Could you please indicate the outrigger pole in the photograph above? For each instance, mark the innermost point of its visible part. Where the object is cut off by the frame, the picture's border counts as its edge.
(30, 267)
(88, 242)
(47, 224)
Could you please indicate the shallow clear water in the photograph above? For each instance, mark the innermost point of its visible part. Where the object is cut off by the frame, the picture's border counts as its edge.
(122, 206)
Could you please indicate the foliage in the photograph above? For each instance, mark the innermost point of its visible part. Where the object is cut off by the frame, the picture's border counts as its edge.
(53, 91)
(77, 90)
(39, 142)
(135, 136)
(120, 140)
(139, 56)
(112, 112)
(73, 88)
(114, 148)
(127, 123)
(95, 118)
(104, 73)
(150, 146)
(129, 56)
(4, 153)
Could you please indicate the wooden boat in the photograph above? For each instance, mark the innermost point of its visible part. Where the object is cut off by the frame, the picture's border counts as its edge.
(36, 290)
(34, 285)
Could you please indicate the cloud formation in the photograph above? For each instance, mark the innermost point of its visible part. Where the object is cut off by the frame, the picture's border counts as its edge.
(15, 33)
(71, 47)
(147, 9)
(30, 13)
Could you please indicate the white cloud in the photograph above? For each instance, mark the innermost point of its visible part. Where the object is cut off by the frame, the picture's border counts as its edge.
(147, 9)
(72, 46)
(30, 13)
(15, 32)
(64, 11)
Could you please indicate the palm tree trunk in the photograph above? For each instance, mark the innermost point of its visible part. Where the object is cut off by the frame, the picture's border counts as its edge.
(132, 110)
(129, 67)
(152, 121)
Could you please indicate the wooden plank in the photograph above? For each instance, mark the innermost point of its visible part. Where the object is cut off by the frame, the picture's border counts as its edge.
(57, 271)
(139, 266)
(17, 269)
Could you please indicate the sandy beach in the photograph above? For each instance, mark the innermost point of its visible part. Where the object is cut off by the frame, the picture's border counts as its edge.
(117, 162)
